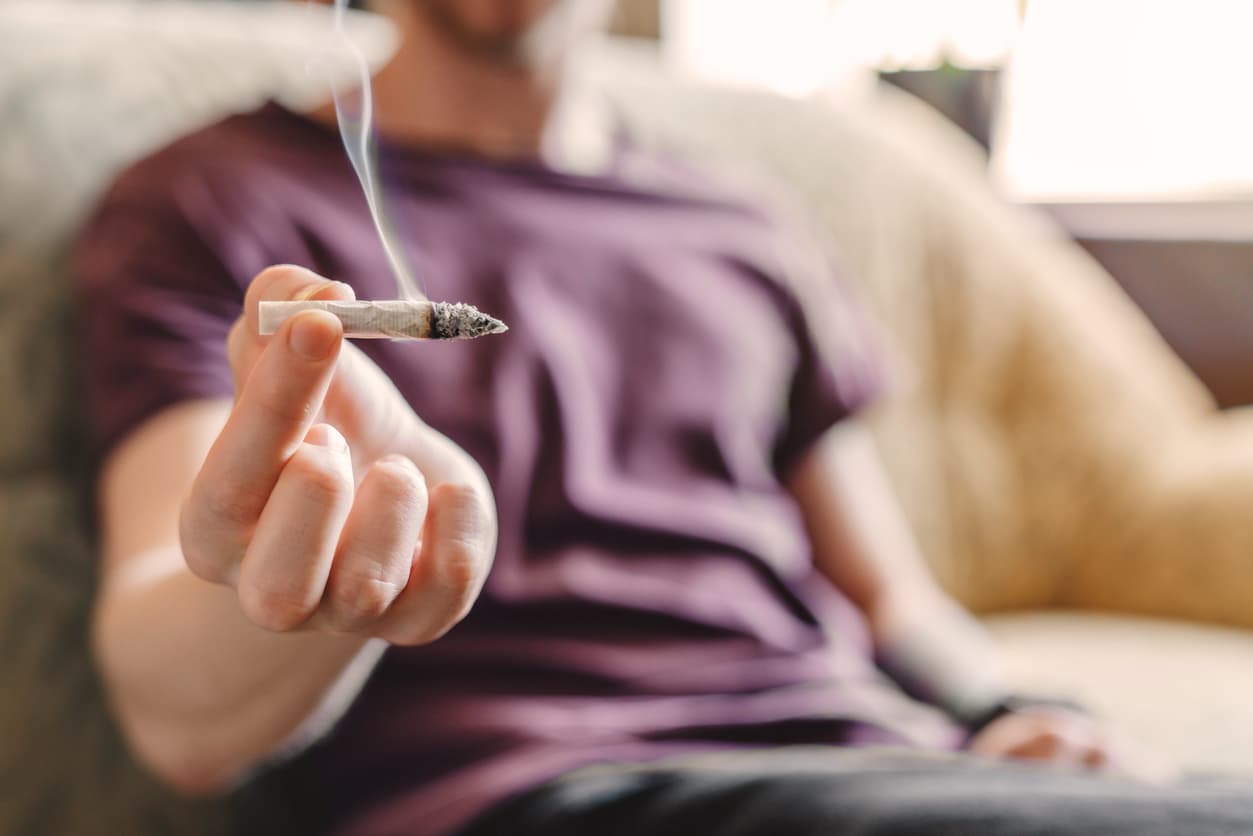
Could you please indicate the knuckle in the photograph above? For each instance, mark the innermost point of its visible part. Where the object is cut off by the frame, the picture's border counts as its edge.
(277, 405)
(400, 482)
(460, 494)
(272, 610)
(357, 600)
(468, 542)
(450, 492)
(230, 504)
(470, 509)
(319, 478)
(459, 575)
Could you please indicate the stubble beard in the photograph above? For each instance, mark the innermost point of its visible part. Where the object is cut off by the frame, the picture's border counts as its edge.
(540, 48)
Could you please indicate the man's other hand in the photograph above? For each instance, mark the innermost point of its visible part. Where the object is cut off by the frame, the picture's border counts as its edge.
(325, 503)
(1064, 738)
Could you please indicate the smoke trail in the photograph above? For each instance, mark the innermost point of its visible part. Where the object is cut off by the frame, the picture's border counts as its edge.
(356, 129)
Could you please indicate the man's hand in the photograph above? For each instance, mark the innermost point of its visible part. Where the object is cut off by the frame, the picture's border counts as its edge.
(325, 503)
(1069, 739)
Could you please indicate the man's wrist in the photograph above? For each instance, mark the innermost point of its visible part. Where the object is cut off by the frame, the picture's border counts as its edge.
(959, 686)
(976, 722)
(335, 702)
(972, 696)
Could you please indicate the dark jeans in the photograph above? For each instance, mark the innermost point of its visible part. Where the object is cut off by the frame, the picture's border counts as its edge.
(851, 792)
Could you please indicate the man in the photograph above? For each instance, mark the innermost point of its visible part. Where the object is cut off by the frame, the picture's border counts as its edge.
(696, 551)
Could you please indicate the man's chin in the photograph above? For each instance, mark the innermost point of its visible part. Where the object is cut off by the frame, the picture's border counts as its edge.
(506, 45)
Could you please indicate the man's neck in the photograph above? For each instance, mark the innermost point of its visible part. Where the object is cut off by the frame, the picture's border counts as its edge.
(434, 93)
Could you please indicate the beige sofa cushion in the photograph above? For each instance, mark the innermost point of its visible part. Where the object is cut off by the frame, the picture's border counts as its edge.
(1184, 688)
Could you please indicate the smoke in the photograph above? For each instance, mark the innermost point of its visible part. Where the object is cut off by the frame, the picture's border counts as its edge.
(354, 112)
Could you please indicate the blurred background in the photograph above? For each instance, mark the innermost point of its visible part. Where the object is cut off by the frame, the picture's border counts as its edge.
(1068, 477)
(1125, 119)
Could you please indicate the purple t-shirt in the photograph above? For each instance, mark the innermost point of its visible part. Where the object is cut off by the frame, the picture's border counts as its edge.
(653, 591)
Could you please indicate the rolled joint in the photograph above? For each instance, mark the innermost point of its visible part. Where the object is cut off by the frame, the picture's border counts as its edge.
(390, 319)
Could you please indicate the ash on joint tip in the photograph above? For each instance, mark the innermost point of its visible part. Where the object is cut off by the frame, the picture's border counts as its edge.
(459, 321)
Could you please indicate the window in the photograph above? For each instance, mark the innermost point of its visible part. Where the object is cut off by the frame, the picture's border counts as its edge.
(1129, 100)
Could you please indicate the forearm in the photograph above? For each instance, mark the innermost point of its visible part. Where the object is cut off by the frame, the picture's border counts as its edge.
(201, 692)
(938, 652)
(863, 543)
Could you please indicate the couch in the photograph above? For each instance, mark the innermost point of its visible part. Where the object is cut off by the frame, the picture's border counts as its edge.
(1067, 476)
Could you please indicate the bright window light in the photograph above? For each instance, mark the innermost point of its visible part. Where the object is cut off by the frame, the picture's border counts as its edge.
(1129, 100)
(799, 46)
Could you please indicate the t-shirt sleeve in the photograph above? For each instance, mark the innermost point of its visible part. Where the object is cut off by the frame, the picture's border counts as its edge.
(155, 306)
(840, 368)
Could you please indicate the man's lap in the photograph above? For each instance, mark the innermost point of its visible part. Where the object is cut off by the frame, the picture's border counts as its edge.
(806, 791)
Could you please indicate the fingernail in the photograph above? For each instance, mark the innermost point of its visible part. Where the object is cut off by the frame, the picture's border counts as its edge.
(324, 435)
(314, 335)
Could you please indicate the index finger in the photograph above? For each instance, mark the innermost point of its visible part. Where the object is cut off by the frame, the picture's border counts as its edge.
(273, 413)
(282, 283)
